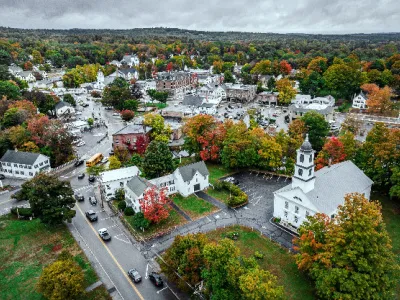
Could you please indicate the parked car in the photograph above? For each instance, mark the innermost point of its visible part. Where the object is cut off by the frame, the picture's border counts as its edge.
(104, 234)
(232, 180)
(85, 105)
(79, 197)
(78, 113)
(81, 176)
(156, 279)
(334, 127)
(92, 178)
(116, 114)
(2, 176)
(92, 200)
(104, 160)
(79, 162)
(81, 143)
(111, 152)
(91, 215)
(134, 275)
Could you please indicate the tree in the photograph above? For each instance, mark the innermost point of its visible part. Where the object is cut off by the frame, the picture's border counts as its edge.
(50, 199)
(5, 57)
(352, 125)
(90, 122)
(332, 152)
(62, 279)
(211, 142)
(311, 83)
(228, 77)
(271, 84)
(263, 67)
(122, 154)
(350, 145)
(116, 94)
(9, 90)
(69, 99)
(318, 64)
(28, 66)
(286, 91)
(4, 73)
(379, 101)
(95, 170)
(18, 136)
(155, 205)
(259, 284)
(185, 257)
(141, 143)
(140, 222)
(317, 128)
(194, 128)
(127, 115)
(131, 104)
(158, 95)
(114, 163)
(343, 80)
(12, 117)
(37, 57)
(159, 131)
(270, 154)
(351, 256)
(284, 67)
(157, 160)
(136, 91)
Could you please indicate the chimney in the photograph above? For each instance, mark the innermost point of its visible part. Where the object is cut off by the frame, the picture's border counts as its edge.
(330, 162)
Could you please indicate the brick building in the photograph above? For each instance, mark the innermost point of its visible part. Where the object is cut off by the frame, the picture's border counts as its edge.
(176, 83)
(240, 92)
(126, 137)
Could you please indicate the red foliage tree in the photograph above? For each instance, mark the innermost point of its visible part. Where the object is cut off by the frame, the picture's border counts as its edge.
(154, 205)
(28, 66)
(211, 143)
(127, 114)
(284, 67)
(333, 150)
(142, 141)
(169, 67)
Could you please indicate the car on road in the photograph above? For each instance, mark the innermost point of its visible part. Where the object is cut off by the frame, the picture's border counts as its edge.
(134, 275)
(334, 127)
(116, 114)
(91, 215)
(92, 200)
(81, 143)
(104, 234)
(79, 197)
(81, 176)
(232, 180)
(92, 178)
(79, 162)
(156, 279)
(111, 152)
(2, 176)
(85, 105)
(78, 113)
(104, 160)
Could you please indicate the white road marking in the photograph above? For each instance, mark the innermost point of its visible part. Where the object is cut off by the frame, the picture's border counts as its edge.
(147, 272)
(162, 289)
(125, 239)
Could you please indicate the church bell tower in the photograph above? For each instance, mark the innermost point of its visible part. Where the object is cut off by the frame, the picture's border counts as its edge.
(304, 168)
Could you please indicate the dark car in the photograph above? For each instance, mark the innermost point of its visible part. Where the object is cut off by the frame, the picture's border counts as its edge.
(81, 176)
(2, 176)
(92, 178)
(134, 275)
(111, 152)
(92, 200)
(79, 162)
(91, 215)
(79, 197)
(156, 279)
(104, 234)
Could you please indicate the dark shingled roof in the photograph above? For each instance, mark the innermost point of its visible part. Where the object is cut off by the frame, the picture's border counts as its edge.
(133, 129)
(188, 171)
(192, 100)
(138, 185)
(62, 104)
(25, 158)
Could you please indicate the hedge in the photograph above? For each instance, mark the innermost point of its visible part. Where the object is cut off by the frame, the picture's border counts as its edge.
(238, 197)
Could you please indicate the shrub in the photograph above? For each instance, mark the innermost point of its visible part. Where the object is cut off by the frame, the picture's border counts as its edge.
(258, 255)
(122, 205)
(95, 94)
(140, 222)
(218, 185)
(23, 212)
(129, 211)
(238, 197)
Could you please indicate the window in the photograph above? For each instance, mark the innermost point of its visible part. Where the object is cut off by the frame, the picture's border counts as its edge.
(300, 172)
(29, 167)
(3, 164)
(197, 180)
(41, 164)
(310, 158)
(8, 164)
(22, 172)
(296, 209)
(286, 204)
(121, 183)
(16, 165)
(296, 219)
(301, 158)
(46, 162)
(30, 174)
(172, 188)
(285, 213)
(307, 213)
(16, 172)
(36, 166)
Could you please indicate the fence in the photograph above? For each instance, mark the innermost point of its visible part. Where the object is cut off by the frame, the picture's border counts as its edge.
(61, 168)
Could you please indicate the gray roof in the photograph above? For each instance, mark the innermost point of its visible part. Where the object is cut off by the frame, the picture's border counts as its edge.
(193, 100)
(133, 129)
(333, 183)
(138, 185)
(188, 171)
(306, 146)
(25, 73)
(26, 158)
(128, 70)
(326, 110)
(62, 104)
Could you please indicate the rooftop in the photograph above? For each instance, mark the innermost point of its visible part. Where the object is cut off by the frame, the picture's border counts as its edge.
(119, 174)
(138, 185)
(132, 128)
(26, 158)
(189, 171)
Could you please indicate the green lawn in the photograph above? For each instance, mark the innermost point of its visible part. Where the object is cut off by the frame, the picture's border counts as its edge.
(216, 172)
(174, 219)
(193, 206)
(276, 260)
(26, 247)
(391, 216)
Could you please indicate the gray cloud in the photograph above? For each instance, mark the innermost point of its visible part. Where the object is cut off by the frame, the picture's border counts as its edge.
(308, 16)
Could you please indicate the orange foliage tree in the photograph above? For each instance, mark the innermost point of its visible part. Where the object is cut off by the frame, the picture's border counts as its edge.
(332, 150)
(284, 67)
(154, 205)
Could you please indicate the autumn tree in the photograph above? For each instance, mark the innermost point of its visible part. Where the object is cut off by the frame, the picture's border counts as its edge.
(211, 142)
(127, 115)
(51, 200)
(141, 143)
(157, 160)
(62, 279)
(159, 130)
(155, 205)
(194, 128)
(317, 128)
(352, 124)
(286, 91)
(122, 154)
(114, 163)
(270, 153)
(185, 257)
(318, 64)
(379, 101)
(351, 256)
(350, 145)
(263, 67)
(28, 66)
(284, 67)
(332, 153)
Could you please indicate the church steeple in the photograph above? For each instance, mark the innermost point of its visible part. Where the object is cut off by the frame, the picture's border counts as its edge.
(304, 169)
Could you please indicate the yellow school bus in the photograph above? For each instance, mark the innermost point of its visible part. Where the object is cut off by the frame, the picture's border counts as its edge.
(94, 160)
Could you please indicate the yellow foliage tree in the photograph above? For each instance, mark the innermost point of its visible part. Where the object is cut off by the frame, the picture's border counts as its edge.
(286, 90)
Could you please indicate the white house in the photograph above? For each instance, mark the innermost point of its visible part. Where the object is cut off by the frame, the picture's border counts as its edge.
(14, 69)
(185, 180)
(130, 60)
(360, 101)
(99, 84)
(110, 181)
(317, 192)
(63, 108)
(304, 103)
(115, 63)
(26, 76)
(24, 165)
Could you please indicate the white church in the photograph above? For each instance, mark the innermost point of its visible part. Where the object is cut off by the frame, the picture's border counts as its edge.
(317, 192)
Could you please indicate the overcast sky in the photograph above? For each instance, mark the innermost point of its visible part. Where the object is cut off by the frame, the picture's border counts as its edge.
(308, 16)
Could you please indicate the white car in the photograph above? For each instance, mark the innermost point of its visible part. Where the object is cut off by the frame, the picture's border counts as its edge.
(116, 114)
(334, 127)
(78, 113)
(81, 143)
